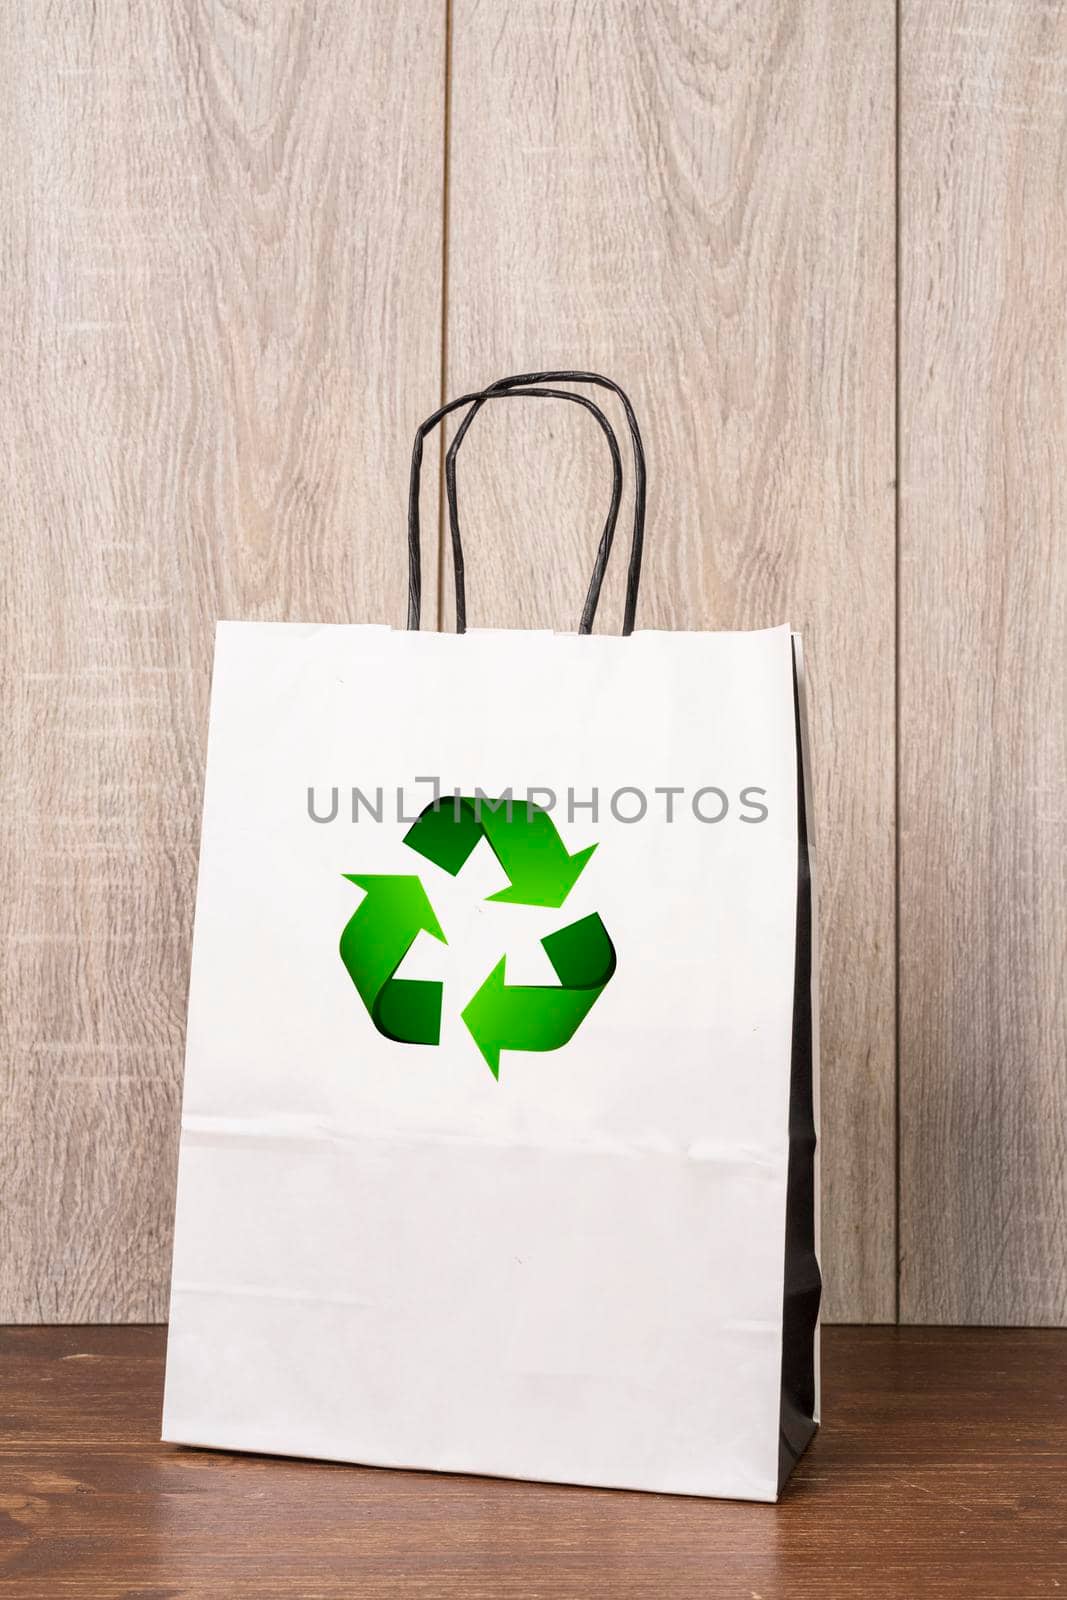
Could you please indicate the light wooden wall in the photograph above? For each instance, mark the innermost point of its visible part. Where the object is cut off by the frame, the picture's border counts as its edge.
(246, 247)
(983, 662)
(221, 228)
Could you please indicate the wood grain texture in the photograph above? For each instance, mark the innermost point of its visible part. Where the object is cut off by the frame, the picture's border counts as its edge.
(939, 1473)
(221, 248)
(221, 255)
(697, 201)
(983, 611)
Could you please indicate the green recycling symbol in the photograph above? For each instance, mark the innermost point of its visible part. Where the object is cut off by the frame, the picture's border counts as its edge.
(500, 1016)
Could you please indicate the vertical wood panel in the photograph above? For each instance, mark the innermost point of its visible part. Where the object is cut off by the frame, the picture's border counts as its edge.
(698, 201)
(983, 705)
(222, 265)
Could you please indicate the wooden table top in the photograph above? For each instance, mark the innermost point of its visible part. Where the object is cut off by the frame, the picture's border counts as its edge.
(941, 1470)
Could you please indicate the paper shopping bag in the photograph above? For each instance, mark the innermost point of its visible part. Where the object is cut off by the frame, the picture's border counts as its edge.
(498, 1134)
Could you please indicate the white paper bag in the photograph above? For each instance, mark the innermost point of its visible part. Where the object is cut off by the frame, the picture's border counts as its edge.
(457, 1194)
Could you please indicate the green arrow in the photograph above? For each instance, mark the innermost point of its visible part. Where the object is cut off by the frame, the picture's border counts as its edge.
(533, 855)
(445, 833)
(504, 1016)
(375, 940)
(526, 843)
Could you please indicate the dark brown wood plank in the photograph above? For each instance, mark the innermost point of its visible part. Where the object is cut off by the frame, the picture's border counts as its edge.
(939, 1473)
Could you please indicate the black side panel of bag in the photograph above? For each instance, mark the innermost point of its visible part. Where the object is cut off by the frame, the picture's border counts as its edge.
(803, 1283)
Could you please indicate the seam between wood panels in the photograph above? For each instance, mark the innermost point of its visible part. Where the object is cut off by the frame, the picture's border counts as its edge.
(446, 176)
(896, 657)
